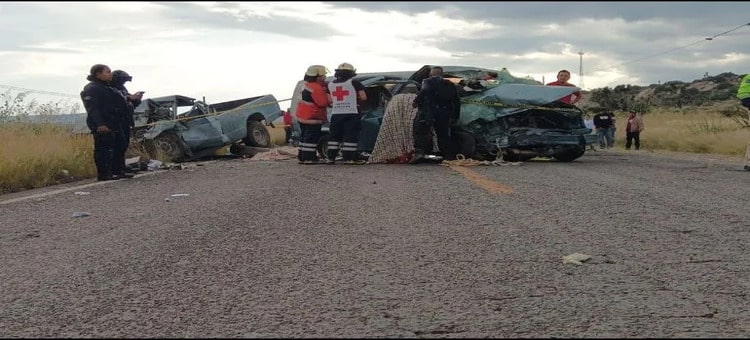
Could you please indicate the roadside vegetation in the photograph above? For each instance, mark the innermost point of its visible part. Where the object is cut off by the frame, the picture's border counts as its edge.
(698, 117)
(696, 130)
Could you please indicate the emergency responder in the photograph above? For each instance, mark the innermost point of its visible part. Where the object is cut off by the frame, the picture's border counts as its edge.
(119, 77)
(346, 94)
(312, 112)
(439, 107)
(104, 106)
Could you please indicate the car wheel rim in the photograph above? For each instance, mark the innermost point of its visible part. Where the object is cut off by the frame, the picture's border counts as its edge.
(168, 148)
(260, 137)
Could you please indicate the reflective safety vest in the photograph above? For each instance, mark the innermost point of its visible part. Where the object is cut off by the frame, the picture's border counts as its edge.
(744, 90)
(343, 96)
(313, 104)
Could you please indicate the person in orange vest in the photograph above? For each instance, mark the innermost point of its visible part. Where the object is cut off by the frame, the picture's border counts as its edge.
(312, 113)
(346, 94)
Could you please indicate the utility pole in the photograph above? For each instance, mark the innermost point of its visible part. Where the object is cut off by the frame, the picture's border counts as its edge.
(580, 69)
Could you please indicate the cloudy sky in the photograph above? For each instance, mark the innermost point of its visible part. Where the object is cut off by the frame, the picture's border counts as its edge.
(231, 50)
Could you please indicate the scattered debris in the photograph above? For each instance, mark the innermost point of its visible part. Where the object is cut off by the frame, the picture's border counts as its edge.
(275, 154)
(80, 214)
(154, 164)
(82, 193)
(576, 258)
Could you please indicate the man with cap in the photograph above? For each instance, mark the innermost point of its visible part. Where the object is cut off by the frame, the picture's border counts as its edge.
(312, 112)
(119, 77)
(346, 94)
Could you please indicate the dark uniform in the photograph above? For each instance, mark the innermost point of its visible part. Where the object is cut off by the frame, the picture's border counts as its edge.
(128, 122)
(106, 106)
(438, 103)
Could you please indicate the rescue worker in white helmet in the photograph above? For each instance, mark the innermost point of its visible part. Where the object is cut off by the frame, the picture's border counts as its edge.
(346, 95)
(311, 113)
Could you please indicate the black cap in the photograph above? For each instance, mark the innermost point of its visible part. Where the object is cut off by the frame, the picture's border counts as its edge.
(121, 75)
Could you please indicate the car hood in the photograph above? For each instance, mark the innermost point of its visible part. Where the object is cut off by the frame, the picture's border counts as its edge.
(508, 99)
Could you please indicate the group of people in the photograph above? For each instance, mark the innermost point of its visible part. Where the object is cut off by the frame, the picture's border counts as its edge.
(343, 95)
(437, 100)
(604, 123)
(109, 116)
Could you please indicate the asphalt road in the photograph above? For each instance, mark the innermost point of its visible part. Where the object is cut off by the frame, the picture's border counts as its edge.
(277, 249)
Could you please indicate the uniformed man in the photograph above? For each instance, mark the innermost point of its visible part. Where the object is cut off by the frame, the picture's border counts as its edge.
(439, 107)
(346, 94)
(119, 77)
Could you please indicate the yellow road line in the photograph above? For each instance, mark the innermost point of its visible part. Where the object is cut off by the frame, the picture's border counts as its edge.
(481, 181)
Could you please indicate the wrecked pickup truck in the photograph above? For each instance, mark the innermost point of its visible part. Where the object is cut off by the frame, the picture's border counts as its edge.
(513, 118)
(183, 128)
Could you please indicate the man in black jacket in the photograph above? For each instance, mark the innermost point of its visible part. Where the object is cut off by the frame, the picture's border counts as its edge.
(119, 77)
(605, 129)
(439, 107)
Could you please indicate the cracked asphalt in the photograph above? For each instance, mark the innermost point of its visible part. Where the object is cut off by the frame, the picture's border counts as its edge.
(276, 249)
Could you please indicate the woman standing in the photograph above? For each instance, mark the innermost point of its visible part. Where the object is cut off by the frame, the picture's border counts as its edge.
(105, 106)
(312, 113)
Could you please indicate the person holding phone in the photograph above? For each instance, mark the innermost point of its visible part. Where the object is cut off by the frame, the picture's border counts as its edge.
(119, 77)
(105, 107)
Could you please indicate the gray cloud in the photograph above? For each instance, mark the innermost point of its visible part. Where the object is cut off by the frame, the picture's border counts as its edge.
(192, 15)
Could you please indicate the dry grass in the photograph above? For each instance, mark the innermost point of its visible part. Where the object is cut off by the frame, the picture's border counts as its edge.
(35, 155)
(697, 130)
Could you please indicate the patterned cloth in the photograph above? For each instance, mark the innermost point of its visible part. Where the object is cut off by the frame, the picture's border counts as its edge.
(395, 141)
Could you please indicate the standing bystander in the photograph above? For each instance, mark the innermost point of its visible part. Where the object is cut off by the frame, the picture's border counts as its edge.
(633, 130)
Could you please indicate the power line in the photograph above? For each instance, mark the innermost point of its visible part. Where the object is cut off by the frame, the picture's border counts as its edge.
(678, 48)
(40, 91)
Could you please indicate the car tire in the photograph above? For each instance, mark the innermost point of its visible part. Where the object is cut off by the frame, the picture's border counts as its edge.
(257, 135)
(570, 154)
(170, 146)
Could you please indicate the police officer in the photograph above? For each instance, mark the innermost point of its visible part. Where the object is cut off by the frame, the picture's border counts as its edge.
(346, 93)
(439, 107)
(119, 77)
(104, 106)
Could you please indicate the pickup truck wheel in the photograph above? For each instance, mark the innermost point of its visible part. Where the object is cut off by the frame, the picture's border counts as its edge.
(169, 145)
(257, 135)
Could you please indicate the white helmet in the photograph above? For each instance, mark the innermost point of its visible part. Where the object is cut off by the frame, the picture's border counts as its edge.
(346, 66)
(316, 70)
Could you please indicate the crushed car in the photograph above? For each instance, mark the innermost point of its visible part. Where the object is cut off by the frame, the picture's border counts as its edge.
(513, 118)
(183, 128)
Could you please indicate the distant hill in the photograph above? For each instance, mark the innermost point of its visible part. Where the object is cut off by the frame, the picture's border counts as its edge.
(707, 91)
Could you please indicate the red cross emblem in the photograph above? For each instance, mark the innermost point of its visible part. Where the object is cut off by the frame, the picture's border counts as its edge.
(340, 93)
